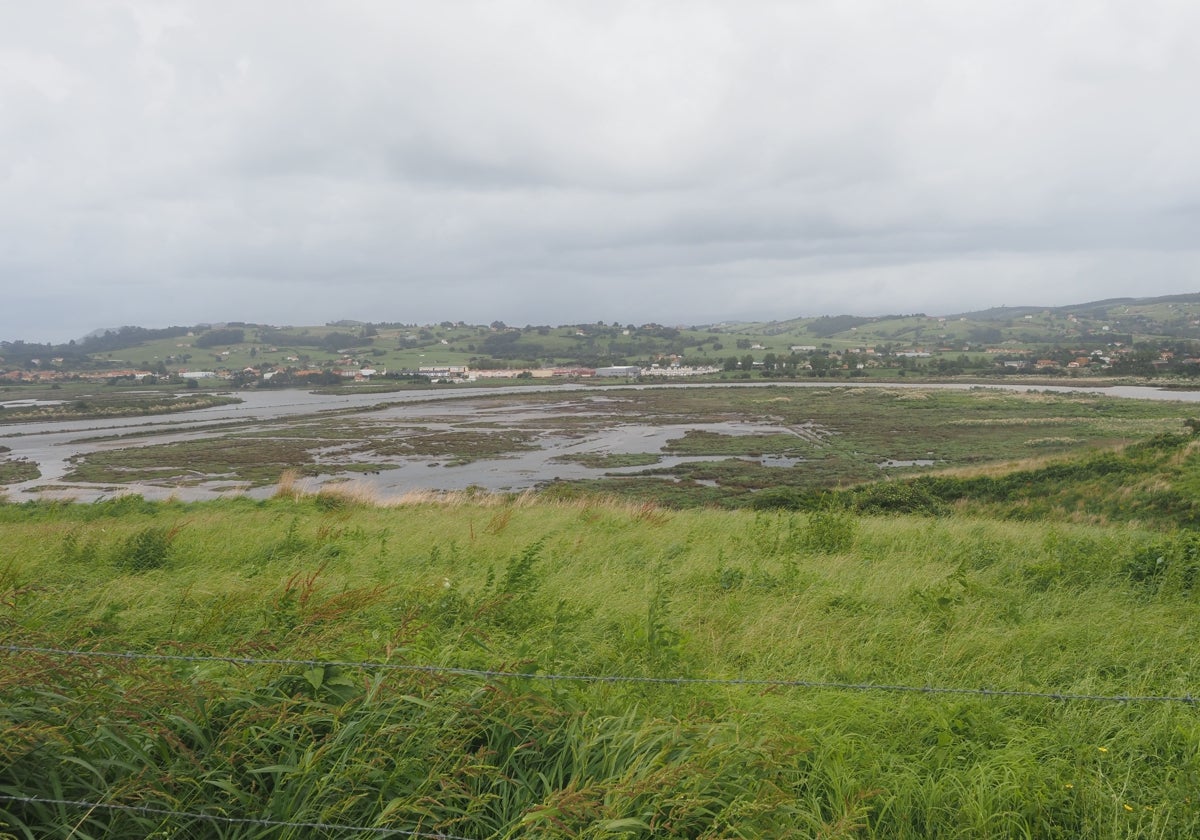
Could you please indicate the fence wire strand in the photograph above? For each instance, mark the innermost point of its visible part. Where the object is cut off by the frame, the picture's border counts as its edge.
(613, 679)
(486, 674)
(217, 818)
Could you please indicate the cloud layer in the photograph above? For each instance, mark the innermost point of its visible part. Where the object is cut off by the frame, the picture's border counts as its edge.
(549, 162)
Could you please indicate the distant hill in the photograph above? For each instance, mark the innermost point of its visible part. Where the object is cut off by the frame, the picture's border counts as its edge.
(1168, 317)
(1156, 324)
(1094, 309)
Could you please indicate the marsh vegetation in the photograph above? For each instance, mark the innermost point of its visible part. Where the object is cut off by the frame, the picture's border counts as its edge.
(96, 402)
(671, 445)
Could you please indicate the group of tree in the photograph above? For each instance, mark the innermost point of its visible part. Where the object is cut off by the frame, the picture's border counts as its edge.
(217, 338)
(123, 338)
(330, 341)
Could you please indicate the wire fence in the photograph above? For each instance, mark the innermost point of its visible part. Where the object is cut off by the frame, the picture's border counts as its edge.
(147, 810)
(485, 674)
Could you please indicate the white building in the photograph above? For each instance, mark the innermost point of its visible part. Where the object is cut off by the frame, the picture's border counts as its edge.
(619, 370)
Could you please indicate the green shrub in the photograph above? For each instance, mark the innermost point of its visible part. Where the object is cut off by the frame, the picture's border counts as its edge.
(729, 577)
(898, 497)
(830, 531)
(1071, 561)
(1168, 565)
(513, 601)
(124, 505)
(79, 551)
(780, 498)
(144, 550)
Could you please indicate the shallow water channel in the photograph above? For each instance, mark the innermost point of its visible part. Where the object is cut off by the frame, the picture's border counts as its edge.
(593, 428)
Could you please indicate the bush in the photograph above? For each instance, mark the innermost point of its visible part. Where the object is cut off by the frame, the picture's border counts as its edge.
(1168, 565)
(77, 551)
(898, 497)
(144, 550)
(780, 498)
(830, 531)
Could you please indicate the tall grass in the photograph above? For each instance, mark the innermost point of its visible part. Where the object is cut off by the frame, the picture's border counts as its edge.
(592, 587)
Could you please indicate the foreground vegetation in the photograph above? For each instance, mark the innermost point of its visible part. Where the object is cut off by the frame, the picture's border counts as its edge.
(324, 661)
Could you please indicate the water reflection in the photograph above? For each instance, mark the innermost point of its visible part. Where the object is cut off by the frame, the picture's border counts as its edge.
(780, 461)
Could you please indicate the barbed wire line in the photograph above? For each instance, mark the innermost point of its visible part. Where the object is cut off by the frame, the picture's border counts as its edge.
(166, 812)
(751, 682)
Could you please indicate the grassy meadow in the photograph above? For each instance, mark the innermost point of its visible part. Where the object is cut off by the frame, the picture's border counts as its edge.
(329, 666)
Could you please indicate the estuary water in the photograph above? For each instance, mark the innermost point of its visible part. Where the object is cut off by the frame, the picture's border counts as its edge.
(52, 445)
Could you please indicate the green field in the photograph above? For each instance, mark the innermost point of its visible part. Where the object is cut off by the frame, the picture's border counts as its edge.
(333, 662)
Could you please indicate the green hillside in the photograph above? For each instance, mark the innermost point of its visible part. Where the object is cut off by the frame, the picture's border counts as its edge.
(1154, 483)
(1156, 323)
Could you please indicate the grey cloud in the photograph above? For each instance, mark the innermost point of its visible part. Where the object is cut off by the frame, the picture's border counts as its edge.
(181, 161)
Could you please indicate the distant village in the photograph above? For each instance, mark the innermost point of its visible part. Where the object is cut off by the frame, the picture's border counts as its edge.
(1145, 338)
(798, 360)
(267, 375)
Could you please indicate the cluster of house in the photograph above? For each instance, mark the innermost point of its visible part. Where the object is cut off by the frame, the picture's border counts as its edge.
(461, 373)
(56, 375)
(466, 374)
(1007, 359)
(1165, 360)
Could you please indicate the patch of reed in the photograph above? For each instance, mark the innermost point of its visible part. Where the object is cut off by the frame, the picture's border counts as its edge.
(289, 485)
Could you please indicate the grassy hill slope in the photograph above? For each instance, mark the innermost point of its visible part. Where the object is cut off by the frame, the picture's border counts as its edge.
(396, 346)
(1152, 483)
(314, 660)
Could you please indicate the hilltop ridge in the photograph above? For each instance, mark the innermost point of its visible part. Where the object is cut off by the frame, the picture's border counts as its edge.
(1128, 336)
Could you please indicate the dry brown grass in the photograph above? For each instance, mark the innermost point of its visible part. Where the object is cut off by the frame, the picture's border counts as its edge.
(459, 498)
(418, 497)
(999, 468)
(648, 512)
(351, 492)
(499, 521)
(1183, 454)
(1014, 421)
(996, 468)
(443, 498)
(289, 485)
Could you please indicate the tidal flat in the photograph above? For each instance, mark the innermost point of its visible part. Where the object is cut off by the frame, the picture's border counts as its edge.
(681, 443)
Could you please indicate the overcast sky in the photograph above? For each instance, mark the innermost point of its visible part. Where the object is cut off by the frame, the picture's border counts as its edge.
(294, 162)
